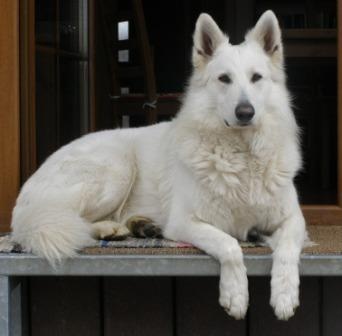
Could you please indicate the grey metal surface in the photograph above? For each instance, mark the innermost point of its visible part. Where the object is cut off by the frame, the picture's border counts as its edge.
(15, 304)
(10, 307)
(162, 265)
(4, 306)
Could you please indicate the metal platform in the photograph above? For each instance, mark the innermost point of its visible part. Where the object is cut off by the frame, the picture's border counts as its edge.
(157, 265)
(15, 266)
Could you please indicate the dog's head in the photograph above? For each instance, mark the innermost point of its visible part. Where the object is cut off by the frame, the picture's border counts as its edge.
(238, 79)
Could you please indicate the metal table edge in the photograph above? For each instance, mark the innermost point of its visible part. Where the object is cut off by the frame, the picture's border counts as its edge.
(13, 264)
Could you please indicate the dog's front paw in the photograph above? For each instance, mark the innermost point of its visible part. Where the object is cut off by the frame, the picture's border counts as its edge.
(284, 306)
(234, 304)
(285, 300)
(234, 292)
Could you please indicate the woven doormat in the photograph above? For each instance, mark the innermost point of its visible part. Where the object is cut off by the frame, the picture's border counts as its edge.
(130, 245)
(327, 240)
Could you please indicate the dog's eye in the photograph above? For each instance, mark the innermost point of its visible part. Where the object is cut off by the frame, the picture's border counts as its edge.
(225, 79)
(256, 77)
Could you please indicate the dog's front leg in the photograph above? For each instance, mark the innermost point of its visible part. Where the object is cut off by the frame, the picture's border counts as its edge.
(287, 243)
(233, 279)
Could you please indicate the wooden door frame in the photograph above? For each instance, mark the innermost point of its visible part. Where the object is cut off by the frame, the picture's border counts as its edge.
(9, 109)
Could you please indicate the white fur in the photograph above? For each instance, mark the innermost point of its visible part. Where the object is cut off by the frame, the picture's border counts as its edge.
(201, 181)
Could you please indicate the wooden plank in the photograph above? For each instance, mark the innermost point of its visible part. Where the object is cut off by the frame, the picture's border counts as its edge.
(138, 306)
(57, 25)
(262, 320)
(331, 306)
(105, 33)
(46, 100)
(27, 89)
(322, 214)
(339, 103)
(313, 49)
(9, 109)
(310, 33)
(198, 311)
(146, 58)
(92, 64)
(65, 306)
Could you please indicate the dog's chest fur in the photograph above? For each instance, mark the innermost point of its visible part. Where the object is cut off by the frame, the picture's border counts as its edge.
(237, 177)
(234, 169)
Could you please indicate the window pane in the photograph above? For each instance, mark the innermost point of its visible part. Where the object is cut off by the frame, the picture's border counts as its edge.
(123, 30)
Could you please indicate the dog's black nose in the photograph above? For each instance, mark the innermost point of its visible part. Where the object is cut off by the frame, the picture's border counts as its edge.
(244, 112)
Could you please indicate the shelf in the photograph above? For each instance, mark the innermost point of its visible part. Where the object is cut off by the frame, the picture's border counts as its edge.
(310, 34)
(299, 50)
(310, 43)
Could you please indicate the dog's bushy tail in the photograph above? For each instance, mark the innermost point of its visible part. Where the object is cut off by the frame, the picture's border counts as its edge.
(54, 234)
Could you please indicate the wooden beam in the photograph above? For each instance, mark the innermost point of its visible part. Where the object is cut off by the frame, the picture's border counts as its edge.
(9, 109)
(339, 102)
(92, 70)
(146, 58)
(27, 89)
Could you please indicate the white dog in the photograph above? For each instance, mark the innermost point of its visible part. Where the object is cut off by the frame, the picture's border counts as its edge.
(223, 166)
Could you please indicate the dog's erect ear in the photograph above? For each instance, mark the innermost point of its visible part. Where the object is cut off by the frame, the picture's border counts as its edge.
(268, 34)
(207, 38)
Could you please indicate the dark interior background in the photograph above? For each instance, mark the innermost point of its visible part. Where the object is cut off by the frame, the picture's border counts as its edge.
(62, 69)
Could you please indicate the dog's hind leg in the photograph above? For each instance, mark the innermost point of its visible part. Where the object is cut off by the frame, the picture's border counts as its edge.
(107, 195)
(59, 222)
(143, 227)
(109, 230)
(111, 201)
(137, 226)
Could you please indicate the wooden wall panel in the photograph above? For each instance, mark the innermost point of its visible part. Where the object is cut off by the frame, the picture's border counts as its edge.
(68, 306)
(262, 320)
(331, 306)
(184, 306)
(138, 306)
(198, 312)
(9, 109)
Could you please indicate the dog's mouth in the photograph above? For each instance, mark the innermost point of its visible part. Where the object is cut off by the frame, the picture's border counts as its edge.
(244, 124)
(239, 124)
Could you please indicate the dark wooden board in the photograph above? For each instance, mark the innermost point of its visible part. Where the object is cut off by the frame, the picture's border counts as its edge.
(262, 320)
(138, 306)
(332, 306)
(63, 306)
(198, 310)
